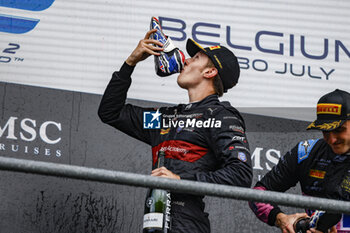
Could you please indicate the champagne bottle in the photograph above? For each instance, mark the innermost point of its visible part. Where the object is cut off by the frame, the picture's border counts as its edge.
(320, 220)
(301, 225)
(156, 217)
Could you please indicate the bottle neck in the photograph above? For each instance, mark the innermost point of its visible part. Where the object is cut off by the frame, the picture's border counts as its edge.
(161, 157)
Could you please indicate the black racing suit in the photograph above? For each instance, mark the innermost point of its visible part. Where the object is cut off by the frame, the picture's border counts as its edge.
(320, 171)
(218, 153)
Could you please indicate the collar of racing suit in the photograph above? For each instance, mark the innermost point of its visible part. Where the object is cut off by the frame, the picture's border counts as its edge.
(206, 101)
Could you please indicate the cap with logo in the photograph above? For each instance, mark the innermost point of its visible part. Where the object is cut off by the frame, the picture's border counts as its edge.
(223, 59)
(333, 109)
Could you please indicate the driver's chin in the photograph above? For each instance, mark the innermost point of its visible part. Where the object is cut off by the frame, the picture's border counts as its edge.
(337, 149)
(181, 84)
(180, 80)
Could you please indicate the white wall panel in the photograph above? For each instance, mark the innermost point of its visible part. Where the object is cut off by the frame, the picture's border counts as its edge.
(78, 44)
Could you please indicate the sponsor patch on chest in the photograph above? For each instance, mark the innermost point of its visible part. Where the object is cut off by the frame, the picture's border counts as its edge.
(317, 174)
(345, 184)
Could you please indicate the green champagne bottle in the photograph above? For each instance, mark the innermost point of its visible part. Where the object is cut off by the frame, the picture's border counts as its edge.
(156, 217)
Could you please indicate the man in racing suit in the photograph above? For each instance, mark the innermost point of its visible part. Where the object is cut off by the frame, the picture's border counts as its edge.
(322, 166)
(209, 145)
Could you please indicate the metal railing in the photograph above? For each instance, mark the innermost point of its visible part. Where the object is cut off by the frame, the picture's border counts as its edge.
(184, 186)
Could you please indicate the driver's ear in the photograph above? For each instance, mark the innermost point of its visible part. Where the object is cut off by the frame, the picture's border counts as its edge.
(210, 72)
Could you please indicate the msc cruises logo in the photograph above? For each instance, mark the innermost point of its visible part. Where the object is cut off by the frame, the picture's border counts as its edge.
(18, 25)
